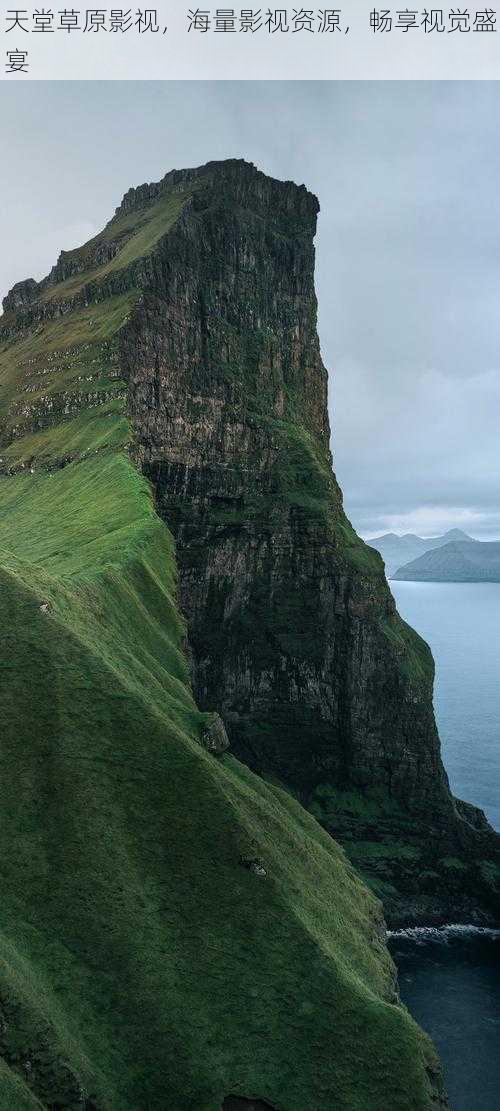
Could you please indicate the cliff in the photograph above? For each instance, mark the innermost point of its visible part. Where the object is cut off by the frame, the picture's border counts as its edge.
(176, 929)
(293, 632)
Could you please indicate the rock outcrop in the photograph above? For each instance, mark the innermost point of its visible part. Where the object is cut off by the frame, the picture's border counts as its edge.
(176, 931)
(214, 737)
(293, 632)
(22, 294)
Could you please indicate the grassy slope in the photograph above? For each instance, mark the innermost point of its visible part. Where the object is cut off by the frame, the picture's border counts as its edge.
(141, 964)
(136, 234)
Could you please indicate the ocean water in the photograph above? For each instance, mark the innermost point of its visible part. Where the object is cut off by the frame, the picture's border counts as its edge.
(450, 978)
(450, 981)
(461, 622)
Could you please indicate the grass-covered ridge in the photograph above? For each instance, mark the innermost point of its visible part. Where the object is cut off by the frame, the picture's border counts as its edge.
(134, 942)
(133, 235)
(62, 395)
(142, 965)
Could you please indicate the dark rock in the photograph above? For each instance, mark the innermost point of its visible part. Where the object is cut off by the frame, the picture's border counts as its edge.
(293, 631)
(255, 865)
(214, 737)
(22, 294)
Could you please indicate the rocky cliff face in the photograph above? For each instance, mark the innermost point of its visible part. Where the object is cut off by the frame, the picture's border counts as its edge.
(176, 931)
(195, 309)
(293, 634)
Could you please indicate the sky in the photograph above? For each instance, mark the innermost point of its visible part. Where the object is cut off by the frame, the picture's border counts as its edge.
(408, 251)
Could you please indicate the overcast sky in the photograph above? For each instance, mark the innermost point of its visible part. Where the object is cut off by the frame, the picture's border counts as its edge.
(408, 252)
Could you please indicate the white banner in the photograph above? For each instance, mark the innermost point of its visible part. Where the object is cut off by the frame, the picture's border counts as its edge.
(175, 41)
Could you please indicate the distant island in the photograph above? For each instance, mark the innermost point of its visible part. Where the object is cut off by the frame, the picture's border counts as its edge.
(453, 557)
(458, 561)
(398, 551)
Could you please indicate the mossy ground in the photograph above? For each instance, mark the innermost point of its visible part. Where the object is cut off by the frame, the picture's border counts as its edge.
(141, 965)
(135, 233)
(139, 958)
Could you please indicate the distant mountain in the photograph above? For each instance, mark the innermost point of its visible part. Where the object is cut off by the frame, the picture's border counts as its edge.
(459, 561)
(398, 550)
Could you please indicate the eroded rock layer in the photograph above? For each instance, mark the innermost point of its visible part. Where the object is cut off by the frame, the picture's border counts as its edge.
(293, 633)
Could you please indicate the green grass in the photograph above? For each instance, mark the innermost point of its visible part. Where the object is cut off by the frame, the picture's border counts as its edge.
(328, 802)
(414, 655)
(64, 334)
(88, 433)
(136, 947)
(47, 373)
(454, 865)
(141, 965)
(141, 234)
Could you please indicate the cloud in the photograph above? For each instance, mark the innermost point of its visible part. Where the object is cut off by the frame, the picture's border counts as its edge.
(408, 245)
(424, 450)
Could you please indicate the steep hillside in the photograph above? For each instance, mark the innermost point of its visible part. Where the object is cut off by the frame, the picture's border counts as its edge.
(174, 931)
(293, 633)
(472, 561)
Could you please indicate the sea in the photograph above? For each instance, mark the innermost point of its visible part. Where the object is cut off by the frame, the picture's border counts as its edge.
(450, 977)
